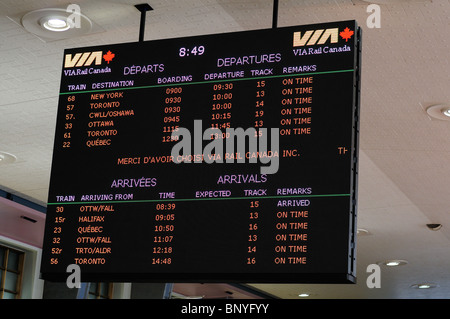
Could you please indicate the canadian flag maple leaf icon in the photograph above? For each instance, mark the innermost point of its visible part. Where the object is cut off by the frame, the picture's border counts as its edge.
(346, 34)
(108, 56)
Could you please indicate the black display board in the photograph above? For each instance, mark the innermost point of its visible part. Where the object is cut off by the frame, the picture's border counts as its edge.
(122, 206)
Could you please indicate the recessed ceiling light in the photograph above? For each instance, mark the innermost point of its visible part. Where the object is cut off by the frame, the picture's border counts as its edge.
(304, 295)
(385, 1)
(425, 285)
(439, 111)
(7, 158)
(393, 262)
(362, 232)
(57, 24)
(434, 226)
(52, 24)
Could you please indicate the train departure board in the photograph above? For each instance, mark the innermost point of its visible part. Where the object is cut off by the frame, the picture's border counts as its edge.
(218, 158)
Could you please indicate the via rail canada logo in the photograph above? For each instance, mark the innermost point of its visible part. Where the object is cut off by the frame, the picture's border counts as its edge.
(320, 36)
(87, 58)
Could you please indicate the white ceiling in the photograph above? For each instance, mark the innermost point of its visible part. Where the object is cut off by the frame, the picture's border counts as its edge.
(404, 172)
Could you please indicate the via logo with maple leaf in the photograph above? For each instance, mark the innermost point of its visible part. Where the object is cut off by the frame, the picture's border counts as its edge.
(108, 56)
(346, 34)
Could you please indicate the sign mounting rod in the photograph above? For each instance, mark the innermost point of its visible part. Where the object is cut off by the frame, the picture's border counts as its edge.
(143, 8)
(275, 14)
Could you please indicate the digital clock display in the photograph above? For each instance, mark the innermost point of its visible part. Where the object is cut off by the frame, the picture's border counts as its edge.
(219, 158)
(196, 50)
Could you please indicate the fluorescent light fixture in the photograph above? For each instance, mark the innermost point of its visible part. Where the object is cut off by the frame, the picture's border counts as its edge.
(304, 295)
